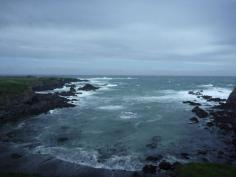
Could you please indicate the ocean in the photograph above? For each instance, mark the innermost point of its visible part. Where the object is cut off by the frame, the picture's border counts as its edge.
(127, 120)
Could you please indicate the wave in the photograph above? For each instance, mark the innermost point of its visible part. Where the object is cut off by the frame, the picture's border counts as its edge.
(111, 107)
(100, 78)
(91, 158)
(206, 85)
(179, 95)
(128, 115)
(218, 92)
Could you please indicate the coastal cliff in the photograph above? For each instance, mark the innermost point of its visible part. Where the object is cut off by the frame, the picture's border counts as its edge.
(19, 97)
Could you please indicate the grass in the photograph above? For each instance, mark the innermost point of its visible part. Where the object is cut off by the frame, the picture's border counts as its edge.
(205, 170)
(16, 175)
(16, 85)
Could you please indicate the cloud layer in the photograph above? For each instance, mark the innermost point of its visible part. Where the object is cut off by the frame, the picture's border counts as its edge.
(155, 37)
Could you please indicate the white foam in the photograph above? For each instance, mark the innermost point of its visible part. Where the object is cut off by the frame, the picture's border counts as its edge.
(111, 107)
(206, 85)
(182, 95)
(85, 93)
(51, 111)
(100, 78)
(64, 88)
(162, 96)
(90, 158)
(218, 92)
(128, 115)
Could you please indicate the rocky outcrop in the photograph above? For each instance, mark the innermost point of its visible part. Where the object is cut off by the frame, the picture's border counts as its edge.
(88, 87)
(150, 169)
(165, 165)
(231, 101)
(200, 112)
(52, 84)
(194, 120)
(71, 92)
(154, 158)
(28, 103)
(34, 105)
(192, 103)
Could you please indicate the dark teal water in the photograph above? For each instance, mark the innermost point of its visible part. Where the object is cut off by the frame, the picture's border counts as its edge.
(128, 119)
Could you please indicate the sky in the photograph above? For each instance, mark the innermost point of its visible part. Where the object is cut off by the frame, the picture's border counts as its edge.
(118, 37)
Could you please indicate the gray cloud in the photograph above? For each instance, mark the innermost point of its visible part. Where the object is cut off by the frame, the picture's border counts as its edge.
(98, 36)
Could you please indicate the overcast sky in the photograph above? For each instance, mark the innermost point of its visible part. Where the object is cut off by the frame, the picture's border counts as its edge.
(138, 37)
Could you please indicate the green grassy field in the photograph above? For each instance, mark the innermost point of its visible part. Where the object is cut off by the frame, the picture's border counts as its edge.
(205, 170)
(16, 85)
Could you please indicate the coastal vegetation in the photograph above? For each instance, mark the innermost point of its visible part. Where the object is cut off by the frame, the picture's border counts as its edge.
(18, 97)
(205, 170)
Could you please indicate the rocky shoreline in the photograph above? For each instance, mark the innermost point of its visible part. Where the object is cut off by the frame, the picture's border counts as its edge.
(222, 115)
(30, 103)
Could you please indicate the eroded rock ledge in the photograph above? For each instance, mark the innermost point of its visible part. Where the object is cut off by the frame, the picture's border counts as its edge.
(18, 97)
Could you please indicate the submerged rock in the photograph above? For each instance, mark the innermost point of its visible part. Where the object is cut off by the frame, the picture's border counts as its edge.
(209, 124)
(88, 87)
(165, 165)
(198, 93)
(62, 139)
(154, 142)
(200, 112)
(154, 158)
(194, 120)
(184, 155)
(16, 156)
(202, 152)
(192, 103)
(150, 169)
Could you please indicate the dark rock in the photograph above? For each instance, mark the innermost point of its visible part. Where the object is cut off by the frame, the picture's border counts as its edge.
(150, 169)
(88, 87)
(192, 103)
(165, 165)
(176, 164)
(72, 92)
(225, 126)
(83, 80)
(209, 124)
(154, 142)
(29, 103)
(34, 105)
(209, 98)
(136, 174)
(206, 97)
(57, 83)
(231, 101)
(62, 139)
(194, 120)
(154, 158)
(202, 152)
(205, 159)
(185, 155)
(200, 112)
(217, 100)
(72, 89)
(191, 92)
(15, 156)
(198, 93)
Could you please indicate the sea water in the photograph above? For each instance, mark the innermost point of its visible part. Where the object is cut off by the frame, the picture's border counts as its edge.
(127, 120)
